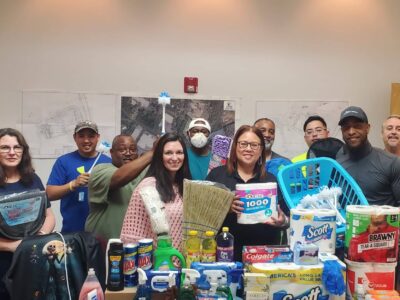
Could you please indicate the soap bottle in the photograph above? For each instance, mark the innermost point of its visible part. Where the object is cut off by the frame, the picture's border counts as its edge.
(115, 265)
(142, 292)
(91, 288)
(164, 254)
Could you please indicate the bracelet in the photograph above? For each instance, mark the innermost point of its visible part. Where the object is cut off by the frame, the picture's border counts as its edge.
(41, 232)
(70, 186)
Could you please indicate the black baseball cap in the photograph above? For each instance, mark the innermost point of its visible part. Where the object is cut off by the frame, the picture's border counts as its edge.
(355, 112)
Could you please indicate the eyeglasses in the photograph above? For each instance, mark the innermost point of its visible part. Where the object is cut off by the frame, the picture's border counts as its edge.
(127, 150)
(318, 131)
(244, 145)
(7, 149)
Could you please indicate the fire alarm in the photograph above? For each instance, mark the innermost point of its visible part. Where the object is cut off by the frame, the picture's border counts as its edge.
(190, 84)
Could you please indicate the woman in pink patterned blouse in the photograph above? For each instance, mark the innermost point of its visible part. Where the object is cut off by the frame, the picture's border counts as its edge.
(162, 188)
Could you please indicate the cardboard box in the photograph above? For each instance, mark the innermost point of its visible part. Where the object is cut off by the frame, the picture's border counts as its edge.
(126, 294)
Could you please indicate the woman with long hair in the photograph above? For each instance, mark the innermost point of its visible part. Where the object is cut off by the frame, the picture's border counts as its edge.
(164, 185)
(246, 164)
(17, 175)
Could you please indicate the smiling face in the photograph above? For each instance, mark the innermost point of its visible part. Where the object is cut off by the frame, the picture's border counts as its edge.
(315, 130)
(173, 157)
(354, 132)
(123, 151)
(10, 152)
(86, 140)
(267, 129)
(391, 134)
(248, 149)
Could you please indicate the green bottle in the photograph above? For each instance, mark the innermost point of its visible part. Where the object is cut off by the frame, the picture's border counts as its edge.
(224, 288)
(164, 254)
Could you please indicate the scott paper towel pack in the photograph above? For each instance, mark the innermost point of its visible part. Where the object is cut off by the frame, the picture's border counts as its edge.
(317, 226)
(260, 202)
(289, 281)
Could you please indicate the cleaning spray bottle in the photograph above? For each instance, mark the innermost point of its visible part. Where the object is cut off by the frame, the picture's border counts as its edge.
(188, 289)
(142, 292)
(213, 277)
(236, 275)
(172, 290)
(223, 286)
(164, 254)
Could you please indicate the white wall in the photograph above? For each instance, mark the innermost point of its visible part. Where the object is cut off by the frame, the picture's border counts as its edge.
(252, 50)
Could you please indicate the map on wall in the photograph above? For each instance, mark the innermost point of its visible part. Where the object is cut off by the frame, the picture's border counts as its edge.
(289, 118)
(49, 119)
(141, 117)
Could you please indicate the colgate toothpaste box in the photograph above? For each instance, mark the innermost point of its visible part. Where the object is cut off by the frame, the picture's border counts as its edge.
(266, 254)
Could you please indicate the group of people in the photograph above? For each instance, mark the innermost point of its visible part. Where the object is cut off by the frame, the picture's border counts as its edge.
(107, 196)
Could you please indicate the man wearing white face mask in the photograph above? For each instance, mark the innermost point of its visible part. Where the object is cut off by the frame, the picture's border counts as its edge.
(274, 161)
(199, 153)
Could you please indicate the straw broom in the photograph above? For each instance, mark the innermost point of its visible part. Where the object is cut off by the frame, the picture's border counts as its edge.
(205, 206)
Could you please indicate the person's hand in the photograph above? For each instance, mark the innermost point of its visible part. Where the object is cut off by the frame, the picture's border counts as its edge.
(280, 221)
(237, 205)
(81, 180)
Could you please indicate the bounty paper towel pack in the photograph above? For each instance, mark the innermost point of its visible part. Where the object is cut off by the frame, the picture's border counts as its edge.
(260, 202)
(317, 226)
(372, 233)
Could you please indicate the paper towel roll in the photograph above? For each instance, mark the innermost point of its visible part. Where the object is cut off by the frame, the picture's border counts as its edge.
(316, 226)
(372, 233)
(374, 276)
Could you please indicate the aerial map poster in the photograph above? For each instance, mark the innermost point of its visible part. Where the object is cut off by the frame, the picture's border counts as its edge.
(141, 117)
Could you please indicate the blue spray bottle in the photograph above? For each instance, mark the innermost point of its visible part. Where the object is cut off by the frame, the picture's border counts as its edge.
(142, 292)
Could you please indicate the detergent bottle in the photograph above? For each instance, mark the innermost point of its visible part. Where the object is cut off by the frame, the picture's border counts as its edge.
(225, 244)
(193, 248)
(209, 248)
(142, 292)
(91, 288)
(164, 254)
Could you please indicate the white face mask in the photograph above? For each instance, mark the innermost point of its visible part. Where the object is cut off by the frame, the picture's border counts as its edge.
(199, 140)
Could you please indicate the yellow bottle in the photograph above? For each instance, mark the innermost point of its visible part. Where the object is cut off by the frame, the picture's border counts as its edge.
(193, 248)
(209, 253)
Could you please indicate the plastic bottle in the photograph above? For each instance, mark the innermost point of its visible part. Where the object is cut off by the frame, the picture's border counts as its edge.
(142, 292)
(115, 271)
(164, 254)
(209, 248)
(225, 242)
(192, 248)
(91, 288)
(224, 288)
(189, 288)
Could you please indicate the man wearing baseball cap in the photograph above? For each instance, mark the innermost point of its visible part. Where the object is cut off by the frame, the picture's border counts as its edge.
(70, 175)
(376, 171)
(199, 153)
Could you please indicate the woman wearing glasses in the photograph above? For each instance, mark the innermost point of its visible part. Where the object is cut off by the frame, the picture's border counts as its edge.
(161, 192)
(246, 164)
(17, 175)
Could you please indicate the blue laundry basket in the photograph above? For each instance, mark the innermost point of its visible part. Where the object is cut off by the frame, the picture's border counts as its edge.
(307, 177)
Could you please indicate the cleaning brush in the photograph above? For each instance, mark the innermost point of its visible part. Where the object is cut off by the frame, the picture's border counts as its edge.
(205, 206)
